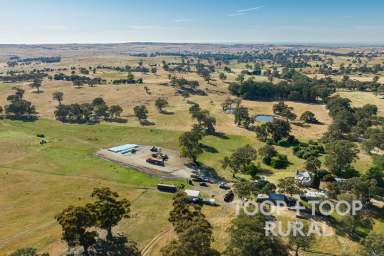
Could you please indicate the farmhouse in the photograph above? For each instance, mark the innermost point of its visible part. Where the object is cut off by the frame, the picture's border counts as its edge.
(304, 178)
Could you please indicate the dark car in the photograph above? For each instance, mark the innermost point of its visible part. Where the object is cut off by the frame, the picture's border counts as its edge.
(229, 196)
(203, 184)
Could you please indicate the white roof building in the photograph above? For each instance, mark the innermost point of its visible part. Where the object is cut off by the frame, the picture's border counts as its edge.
(304, 178)
(192, 193)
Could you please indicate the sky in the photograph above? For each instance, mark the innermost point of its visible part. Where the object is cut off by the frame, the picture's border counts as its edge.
(195, 21)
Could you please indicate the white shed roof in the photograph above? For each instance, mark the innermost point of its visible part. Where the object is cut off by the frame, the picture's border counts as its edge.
(192, 193)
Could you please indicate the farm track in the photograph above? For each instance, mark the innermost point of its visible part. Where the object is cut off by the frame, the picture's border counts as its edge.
(148, 248)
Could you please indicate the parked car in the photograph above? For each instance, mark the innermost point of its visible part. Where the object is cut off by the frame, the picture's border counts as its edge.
(203, 184)
(229, 196)
(224, 185)
(197, 179)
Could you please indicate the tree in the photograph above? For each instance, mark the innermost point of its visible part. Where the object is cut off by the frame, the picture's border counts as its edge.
(109, 210)
(309, 117)
(222, 76)
(288, 185)
(36, 84)
(75, 222)
(240, 78)
(59, 96)
(266, 153)
(100, 108)
(283, 110)
(243, 189)
(247, 237)
(193, 230)
(340, 155)
(373, 245)
(239, 159)
(227, 104)
(304, 241)
(130, 76)
(205, 120)
(141, 112)
(242, 117)
(273, 131)
(161, 103)
(115, 111)
(190, 145)
(312, 164)
(18, 107)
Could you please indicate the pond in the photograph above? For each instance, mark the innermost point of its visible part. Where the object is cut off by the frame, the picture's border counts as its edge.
(264, 118)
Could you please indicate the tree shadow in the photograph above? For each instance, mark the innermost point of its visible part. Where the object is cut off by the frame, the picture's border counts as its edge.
(165, 112)
(22, 118)
(117, 120)
(118, 245)
(221, 135)
(209, 149)
(146, 122)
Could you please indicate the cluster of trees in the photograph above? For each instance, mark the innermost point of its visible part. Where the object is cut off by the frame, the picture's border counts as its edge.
(194, 232)
(241, 160)
(271, 157)
(79, 81)
(86, 112)
(189, 142)
(205, 121)
(15, 60)
(22, 77)
(185, 86)
(80, 224)
(19, 108)
(283, 110)
(275, 132)
(130, 80)
(302, 89)
(307, 150)
(349, 122)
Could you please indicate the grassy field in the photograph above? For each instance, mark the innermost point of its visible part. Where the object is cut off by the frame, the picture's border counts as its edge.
(37, 181)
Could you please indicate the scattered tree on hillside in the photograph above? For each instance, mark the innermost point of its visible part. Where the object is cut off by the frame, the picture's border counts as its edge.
(37, 83)
(75, 222)
(301, 241)
(109, 209)
(273, 131)
(18, 108)
(194, 232)
(247, 237)
(242, 117)
(190, 145)
(239, 159)
(340, 155)
(59, 96)
(309, 117)
(115, 111)
(141, 113)
(283, 110)
(288, 185)
(160, 104)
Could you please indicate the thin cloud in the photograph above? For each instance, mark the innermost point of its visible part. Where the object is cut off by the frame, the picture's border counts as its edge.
(245, 11)
(182, 20)
(250, 9)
